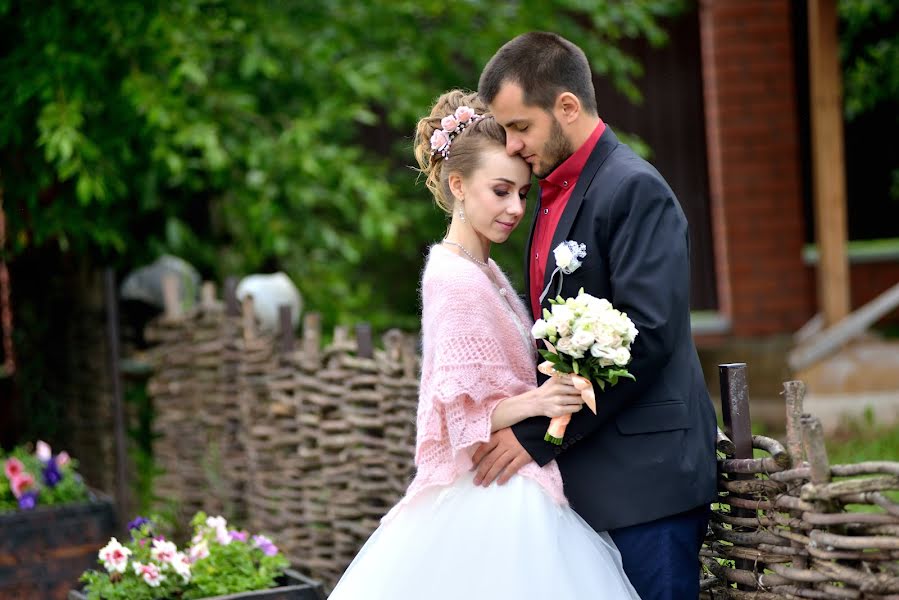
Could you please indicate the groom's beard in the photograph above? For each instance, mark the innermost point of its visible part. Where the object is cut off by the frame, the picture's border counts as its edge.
(556, 151)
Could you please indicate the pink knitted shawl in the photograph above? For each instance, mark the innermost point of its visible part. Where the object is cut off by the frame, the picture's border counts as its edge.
(474, 354)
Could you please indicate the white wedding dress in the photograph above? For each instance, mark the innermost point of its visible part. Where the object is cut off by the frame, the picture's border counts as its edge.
(462, 542)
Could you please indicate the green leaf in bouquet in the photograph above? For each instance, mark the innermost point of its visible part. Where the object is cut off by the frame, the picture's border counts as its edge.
(562, 367)
(601, 384)
(546, 314)
(576, 368)
(550, 356)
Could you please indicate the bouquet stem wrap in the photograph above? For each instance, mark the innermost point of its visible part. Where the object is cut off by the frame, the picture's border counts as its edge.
(557, 425)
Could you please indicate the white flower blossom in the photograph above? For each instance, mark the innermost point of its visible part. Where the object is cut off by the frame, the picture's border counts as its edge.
(114, 556)
(150, 573)
(218, 522)
(163, 551)
(198, 551)
(181, 564)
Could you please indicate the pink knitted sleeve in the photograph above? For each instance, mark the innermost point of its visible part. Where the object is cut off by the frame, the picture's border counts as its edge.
(468, 370)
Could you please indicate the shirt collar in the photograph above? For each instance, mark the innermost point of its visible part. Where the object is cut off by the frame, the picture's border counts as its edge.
(565, 175)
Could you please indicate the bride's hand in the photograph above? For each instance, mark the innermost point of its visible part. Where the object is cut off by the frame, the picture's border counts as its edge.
(556, 397)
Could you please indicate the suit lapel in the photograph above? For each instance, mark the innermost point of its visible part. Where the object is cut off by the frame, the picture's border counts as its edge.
(607, 142)
(527, 251)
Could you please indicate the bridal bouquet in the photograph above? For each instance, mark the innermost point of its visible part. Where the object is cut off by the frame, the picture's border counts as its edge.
(588, 340)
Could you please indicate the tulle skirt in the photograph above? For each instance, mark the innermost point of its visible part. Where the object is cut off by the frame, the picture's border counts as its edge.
(459, 542)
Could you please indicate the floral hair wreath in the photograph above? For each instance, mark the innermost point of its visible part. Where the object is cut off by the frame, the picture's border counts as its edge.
(452, 125)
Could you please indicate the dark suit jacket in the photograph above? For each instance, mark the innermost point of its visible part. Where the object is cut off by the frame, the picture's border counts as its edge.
(650, 450)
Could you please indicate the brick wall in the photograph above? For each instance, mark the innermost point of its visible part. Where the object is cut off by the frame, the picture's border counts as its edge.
(754, 165)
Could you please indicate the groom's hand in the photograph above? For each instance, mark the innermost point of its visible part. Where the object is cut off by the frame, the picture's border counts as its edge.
(501, 457)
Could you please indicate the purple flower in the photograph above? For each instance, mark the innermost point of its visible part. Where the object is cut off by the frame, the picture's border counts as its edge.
(265, 544)
(28, 500)
(52, 476)
(238, 535)
(137, 522)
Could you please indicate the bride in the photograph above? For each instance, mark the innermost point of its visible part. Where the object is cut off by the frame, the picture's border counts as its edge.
(447, 538)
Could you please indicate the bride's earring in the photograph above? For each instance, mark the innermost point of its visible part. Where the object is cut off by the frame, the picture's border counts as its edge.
(461, 211)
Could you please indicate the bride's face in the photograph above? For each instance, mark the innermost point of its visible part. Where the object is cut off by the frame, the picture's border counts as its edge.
(496, 194)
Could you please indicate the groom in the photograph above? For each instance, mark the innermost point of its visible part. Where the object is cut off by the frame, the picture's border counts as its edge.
(643, 467)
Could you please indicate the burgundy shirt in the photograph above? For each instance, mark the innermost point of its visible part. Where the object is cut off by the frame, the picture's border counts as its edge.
(555, 191)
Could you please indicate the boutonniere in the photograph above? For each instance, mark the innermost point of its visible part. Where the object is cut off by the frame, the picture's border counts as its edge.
(568, 257)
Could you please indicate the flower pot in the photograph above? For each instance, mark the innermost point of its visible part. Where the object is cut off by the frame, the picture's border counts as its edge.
(43, 551)
(292, 586)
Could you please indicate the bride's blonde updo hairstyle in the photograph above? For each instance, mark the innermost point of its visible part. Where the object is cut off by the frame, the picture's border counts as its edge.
(463, 154)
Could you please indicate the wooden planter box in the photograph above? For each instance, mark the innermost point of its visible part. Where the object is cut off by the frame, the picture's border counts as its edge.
(293, 586)
(44, 551)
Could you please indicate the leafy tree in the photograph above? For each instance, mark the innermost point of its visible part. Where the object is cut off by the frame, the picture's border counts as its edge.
(250, 136)
(869, 47)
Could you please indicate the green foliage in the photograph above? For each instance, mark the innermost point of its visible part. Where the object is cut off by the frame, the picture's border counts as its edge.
(869, 48)
(870, 52)
(248, 136)
(69, 489)
(208, 568)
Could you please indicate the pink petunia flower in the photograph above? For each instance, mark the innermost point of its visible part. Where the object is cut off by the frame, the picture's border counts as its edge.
(21, 483)
(62, 459)
(150, 572)
(13, 468)
(114, 556)
(163, 551)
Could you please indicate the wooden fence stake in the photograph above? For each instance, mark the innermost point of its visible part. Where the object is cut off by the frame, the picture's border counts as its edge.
(365, 346)
(232, 305)
(285, 329)
(738, 426)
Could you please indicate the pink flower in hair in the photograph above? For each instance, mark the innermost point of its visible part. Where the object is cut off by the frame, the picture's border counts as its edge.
(464, 114)
(449, 123)
(439, 140)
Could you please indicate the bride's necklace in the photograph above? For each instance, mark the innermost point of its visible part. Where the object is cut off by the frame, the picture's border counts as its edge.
(467, 253)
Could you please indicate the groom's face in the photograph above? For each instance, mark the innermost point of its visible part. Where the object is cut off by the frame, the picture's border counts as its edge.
(531, 132)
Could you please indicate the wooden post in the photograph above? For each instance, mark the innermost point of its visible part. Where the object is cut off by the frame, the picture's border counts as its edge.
(794, 394)
(828, 165)
(249, 320)
(207, 295)
(117, 400)
(312, 335)
(232, 305)
(364, 344)
(171, 289)
(285, 329)
(735, 407)
(815, 449)
(738, 427)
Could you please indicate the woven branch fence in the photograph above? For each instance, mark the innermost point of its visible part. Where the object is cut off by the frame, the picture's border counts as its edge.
(782, 528)
(310, 442)
(314, 442)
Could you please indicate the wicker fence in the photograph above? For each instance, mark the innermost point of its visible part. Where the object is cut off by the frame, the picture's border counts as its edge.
(310, 442)
(783, 528)
(313, 442)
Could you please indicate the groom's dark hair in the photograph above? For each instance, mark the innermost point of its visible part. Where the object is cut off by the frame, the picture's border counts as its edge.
(544, 65)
